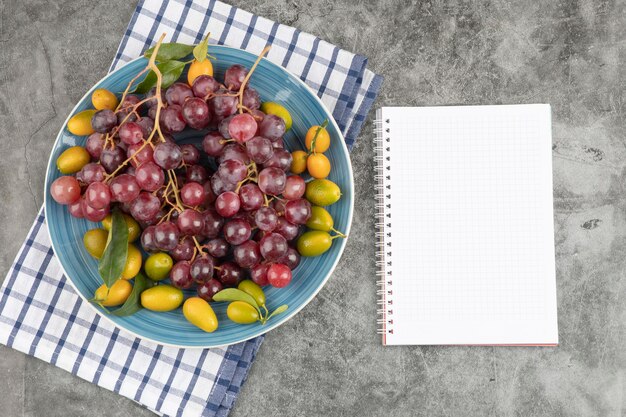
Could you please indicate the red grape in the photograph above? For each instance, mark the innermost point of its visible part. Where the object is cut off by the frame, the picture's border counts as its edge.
(103, 121)
(232, 171)
(191, 154)
(222, 127)
(218, 247)
(266, 219)
(145, 207)
(242, 127)
(234, 76)
(153, 102)
(112, 158)
(212, 144)
(180, 276)
(149, 176)
(130, 133)
(203, 85)
(65, 190)
(279, 275)
(247, 254)
(251, 99)
(190, 222)
(76, 209)
(196, 113)
(272, 127)
(171, 119)
(178, 93)
(251, 197)
(278, 143)
(139, 156)
(286, 229)
(192, 194)
(223, 104)
(98, 195)
(237, 231)
(219, 186)
(126, 107)
(291, 259)
(166, 236)
(130, 101)
(258, 115)
(272, 181)
(294, 187)
(168, 155)
(230, 274)
(181, 178)
(298, 211)
(183, 250)
(208, 289)
(279, 206)
(95, 144)
(146, 124)
(273, 247)
(124, 188)
(92, 214)
(258, 274)
(234, 151)
(281, 158)
(213, 223)
(92, 172)
(147, 239)
(202, 268)
(227, 204)
(259, 149)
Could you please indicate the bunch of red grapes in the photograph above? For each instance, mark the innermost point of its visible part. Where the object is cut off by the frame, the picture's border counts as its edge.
(223, 213)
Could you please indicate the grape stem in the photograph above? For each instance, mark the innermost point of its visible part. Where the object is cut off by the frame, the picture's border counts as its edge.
(159, 103)
(245, 80)
(253, 174)
(173, 182)
(167, 216)
(171, 188)
(108, 139)
(198, 247)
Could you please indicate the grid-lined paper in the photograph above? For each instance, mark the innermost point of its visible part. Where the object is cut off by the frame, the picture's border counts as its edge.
(472, 225)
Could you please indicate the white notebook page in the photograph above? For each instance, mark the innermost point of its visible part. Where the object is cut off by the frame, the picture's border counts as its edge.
(472, 225)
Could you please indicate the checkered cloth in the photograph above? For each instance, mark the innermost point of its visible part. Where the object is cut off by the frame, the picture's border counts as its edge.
(40, 313)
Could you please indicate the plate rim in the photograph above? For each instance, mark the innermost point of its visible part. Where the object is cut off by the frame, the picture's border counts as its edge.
(263, 330)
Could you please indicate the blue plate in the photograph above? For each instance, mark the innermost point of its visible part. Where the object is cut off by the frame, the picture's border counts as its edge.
(273, 83)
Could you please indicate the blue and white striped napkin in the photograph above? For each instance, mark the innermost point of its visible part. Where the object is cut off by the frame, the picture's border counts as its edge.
(41, 315)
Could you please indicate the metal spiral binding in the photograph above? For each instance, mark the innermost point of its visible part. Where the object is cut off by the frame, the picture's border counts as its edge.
(382, 178)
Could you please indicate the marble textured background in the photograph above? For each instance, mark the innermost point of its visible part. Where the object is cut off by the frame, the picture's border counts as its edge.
(329, 360)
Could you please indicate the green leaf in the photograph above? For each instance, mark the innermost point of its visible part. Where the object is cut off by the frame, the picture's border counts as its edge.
(233, 294)
(170, 72)
(169, 51)
(113, 259)
(201, 50)
(132, 304)
(278, 310)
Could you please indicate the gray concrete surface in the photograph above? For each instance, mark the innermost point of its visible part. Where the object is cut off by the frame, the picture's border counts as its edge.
(329, 360)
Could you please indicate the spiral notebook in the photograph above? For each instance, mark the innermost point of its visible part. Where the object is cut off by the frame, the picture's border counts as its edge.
(465, 225)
